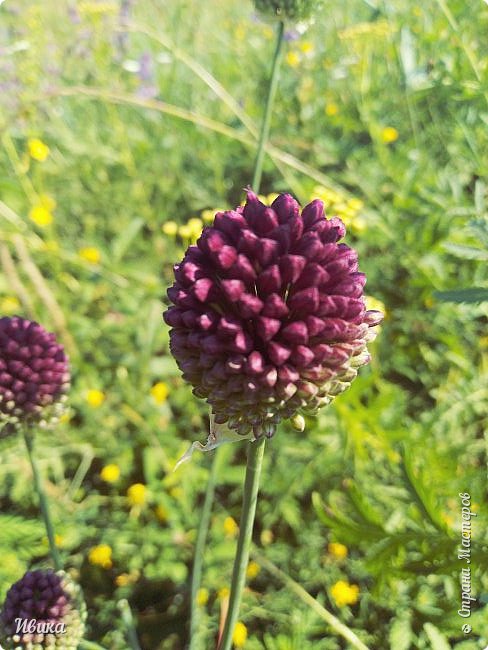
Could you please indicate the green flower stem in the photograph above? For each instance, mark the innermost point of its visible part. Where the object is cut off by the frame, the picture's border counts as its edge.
(43, 502)
(209, 494)
(273, 85)
(319, 609)
(199, 552)
(255, 454)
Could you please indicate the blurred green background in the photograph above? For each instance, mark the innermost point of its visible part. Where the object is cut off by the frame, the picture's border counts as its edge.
(124, 126)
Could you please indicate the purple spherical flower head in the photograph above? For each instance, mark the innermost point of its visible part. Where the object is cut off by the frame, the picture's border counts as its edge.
(34, 374)
(43, 610)
(269, 318)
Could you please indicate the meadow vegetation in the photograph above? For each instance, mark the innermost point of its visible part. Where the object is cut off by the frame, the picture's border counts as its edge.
(124, 127)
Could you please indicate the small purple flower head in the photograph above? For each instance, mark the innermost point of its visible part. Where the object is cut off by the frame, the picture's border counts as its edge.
(290, 10)
(34, 374)
(269, 318)
(43, 610)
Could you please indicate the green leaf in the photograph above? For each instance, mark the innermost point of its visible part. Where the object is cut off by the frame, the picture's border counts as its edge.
(466, 252)
(437, 639)
(479, 227)
(126, 237)
(474, 294)
(25, 535)
(401, 633)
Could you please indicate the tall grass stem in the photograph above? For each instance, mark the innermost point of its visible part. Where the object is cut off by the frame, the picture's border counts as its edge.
(199, 552)
(335, 624)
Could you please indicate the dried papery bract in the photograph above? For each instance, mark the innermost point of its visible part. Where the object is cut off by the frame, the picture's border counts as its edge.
(269, 320)
(34, 375)
(44, 610)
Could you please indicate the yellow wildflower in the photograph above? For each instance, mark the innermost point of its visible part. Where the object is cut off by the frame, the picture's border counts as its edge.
(252, 570)
(447, 519)
(101, 555)
(345, 209)
(47, 201)
(208, 215)
(123, 580)
(307, 47)
(40, 215)
(58, 540)
(162, 514)
(239, 636)
(223, 593)
(374, 303)
(160, 392)
(230, 527)
(268, 32)
(90, 254)
(170, 228)
(51, 246)
(95, 397)
(90, 8)
(137, 494)
(65, 417)
(195, 224)
(331, 109)
(389, 134)
(271, 197)
(355, 204)
(240, 32)
(176, 492)
(110, 473)
(9, 305)
(37, 149)
(326, 195)
(266, 537)
(185, 232)
(337, 550)
(393, 455)
(344, 594)
(202, 597)
(292, 59)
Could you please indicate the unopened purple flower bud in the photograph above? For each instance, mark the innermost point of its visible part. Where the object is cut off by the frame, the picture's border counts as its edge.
(43, 610)
(268, 318)
(34, 374)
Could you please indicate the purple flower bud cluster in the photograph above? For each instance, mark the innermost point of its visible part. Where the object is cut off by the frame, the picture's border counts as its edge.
(269, 318)
(34, 373)
(43, 610)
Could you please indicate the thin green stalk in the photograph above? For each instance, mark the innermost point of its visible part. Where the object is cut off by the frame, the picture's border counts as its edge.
(43, 502)
(255, 454)
(129, 625)
(199, 552)
(273, 85)
(210, 490)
